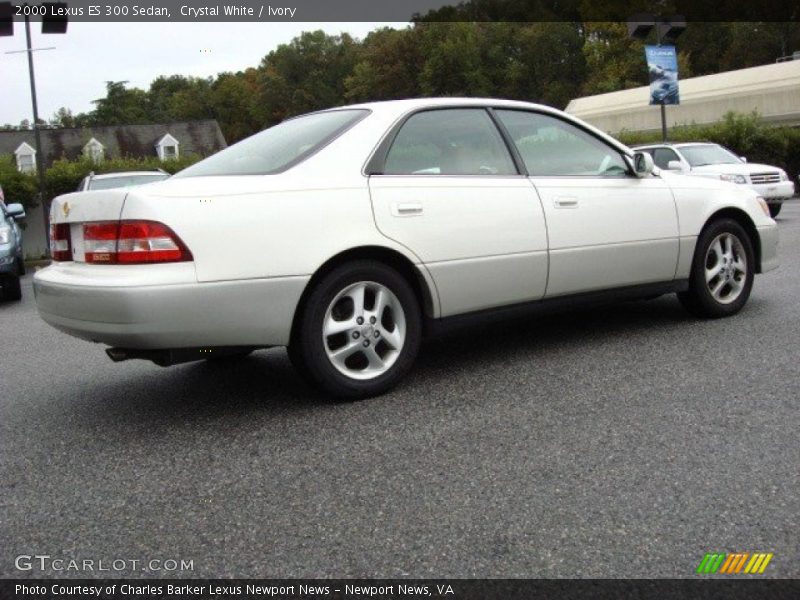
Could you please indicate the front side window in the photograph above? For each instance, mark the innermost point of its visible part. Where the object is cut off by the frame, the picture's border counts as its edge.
(278, 147)
(553, 147)
(663, 156)
(458, 141)
(708, 154)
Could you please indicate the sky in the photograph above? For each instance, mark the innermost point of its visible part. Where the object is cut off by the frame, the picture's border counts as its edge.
(90, 54)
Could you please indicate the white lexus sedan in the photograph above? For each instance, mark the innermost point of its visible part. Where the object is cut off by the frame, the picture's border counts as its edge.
(344, 234)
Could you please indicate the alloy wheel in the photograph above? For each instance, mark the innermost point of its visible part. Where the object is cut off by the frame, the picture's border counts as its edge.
(726, 268)
(364, 330)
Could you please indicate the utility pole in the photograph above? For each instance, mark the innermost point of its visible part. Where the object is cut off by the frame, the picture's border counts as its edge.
(38, 137)
(53, 21)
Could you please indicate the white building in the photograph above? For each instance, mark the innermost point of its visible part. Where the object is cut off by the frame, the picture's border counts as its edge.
(772, 90)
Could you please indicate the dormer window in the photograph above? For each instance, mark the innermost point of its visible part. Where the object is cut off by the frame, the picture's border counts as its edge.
(94, 150)
(26, 158)
(167, 148)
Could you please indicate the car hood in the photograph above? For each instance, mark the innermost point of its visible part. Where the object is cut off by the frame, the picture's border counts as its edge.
(736, 169)
(679, 180)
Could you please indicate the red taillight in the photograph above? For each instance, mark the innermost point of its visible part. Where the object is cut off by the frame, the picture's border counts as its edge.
(132, 242)
(60, 248)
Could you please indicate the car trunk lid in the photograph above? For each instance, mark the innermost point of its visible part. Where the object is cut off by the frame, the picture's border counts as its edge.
(70, 211)
(85, 207)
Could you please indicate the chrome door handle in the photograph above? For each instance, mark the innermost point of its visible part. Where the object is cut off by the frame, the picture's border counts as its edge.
(406, 209)
(566, 202)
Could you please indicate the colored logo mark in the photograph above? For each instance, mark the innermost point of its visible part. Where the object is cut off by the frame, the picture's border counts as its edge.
(734, 563)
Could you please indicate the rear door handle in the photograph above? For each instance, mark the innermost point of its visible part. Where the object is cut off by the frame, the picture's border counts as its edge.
(406, 209)
(566, 202)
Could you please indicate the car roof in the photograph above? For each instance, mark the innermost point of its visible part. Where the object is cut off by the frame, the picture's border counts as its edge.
(398, 108)
(126, 174)
(674, 144)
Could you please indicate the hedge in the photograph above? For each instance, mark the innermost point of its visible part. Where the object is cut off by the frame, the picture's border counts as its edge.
(746, 135)
(17, 187)
(64, 175)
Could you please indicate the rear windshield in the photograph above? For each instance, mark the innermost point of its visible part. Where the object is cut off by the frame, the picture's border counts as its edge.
(108, 183)
(278, 147)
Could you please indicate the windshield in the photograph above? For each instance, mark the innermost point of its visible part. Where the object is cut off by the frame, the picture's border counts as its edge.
(708, 154)
(278, 147)
(108, 183)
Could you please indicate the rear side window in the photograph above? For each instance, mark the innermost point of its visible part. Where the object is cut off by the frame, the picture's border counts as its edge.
(462, 141)
(278, 147)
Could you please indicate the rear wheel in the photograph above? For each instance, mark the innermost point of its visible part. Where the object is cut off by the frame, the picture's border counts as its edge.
(774, 209)
(11, 288)
(21, 266)
(359, 331)
(722, 271)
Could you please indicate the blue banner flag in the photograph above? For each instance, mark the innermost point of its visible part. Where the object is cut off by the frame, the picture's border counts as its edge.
(662, 65)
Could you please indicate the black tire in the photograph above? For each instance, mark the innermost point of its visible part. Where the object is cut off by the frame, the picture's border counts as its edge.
(21, 267)
(11, 288)
(307, 349)
(698, 299)
(774, 209)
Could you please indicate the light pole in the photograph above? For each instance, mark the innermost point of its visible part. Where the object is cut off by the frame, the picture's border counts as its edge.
(37, 134)
(667, 30)
(49, 25)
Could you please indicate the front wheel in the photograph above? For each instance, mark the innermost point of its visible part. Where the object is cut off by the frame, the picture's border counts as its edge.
(775, 209)
(359, 331)
(722, 271)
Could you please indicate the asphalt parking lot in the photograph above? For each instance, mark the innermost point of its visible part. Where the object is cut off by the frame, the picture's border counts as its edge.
(615, 442)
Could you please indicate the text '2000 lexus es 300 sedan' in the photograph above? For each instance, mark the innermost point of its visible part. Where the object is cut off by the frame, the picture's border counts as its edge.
(342, 233)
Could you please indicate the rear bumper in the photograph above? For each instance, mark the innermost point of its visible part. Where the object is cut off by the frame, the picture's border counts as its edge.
(163, 306)
(768, 235)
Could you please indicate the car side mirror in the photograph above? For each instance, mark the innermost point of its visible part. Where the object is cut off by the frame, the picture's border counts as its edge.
(16, 210)
(744, 158)
(675, 165)
(643, 164)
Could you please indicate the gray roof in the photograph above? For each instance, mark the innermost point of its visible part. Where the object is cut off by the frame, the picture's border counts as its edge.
(195, 137)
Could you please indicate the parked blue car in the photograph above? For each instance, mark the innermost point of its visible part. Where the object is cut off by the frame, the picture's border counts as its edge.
(12, 264)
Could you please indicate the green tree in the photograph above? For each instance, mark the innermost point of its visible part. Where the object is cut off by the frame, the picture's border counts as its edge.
(614, 61)
(454, 60)
(63, 117)
(17, 187)
(304, 75)
(388, 67)
(546, 63)
(192, 102)
(232, 101)
(753, 44)
(160, 95)
(121, 106)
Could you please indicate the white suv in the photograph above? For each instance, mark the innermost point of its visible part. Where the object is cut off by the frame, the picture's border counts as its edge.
(716, 162)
